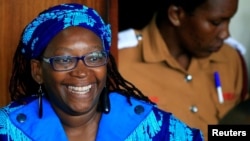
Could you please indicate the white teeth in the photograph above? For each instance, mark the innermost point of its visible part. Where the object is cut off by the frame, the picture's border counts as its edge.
(79, 90)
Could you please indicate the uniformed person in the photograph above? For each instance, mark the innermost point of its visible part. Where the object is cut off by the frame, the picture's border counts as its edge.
(179, 60)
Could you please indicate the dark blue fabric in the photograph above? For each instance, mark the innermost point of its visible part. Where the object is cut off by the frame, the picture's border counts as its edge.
(50, 22)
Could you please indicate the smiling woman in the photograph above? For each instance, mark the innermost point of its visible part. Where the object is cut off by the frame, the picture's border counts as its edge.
(67, 79)
(22, 12)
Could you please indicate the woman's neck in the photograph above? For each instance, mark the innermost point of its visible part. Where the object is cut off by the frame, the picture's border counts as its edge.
(80, 127)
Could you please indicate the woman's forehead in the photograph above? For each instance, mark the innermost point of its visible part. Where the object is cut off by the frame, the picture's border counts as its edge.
(219, 5)
(75, 38)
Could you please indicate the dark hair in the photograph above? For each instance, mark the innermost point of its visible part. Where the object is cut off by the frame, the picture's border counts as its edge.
(187, 5)
(23, 85)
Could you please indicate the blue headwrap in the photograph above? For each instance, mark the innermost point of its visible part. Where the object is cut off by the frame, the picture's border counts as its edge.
(50, 22)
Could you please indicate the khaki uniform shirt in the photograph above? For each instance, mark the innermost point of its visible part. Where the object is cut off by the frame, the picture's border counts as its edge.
(189, 94)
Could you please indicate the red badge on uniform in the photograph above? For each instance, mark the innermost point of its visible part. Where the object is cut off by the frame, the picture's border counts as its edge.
(228, 96)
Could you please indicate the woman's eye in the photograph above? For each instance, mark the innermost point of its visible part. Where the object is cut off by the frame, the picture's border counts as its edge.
(95, 58)
(216, 23)
(63, 60)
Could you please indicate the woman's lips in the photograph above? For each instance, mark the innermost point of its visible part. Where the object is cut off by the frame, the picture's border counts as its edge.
(79, 90)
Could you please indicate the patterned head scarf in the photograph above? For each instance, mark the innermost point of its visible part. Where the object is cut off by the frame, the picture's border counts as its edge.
(50, 22)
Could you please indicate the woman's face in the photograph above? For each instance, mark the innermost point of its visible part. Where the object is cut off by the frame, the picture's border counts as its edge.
(203, 32)
(74, 91)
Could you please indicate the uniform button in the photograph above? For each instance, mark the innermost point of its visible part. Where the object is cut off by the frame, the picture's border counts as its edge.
(21, 118)
(188, 77)
(139, 109)
(193, 109)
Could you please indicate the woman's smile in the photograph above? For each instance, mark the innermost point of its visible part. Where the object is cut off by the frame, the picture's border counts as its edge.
(79, 90)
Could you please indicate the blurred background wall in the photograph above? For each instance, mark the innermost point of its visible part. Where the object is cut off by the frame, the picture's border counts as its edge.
(240, 29)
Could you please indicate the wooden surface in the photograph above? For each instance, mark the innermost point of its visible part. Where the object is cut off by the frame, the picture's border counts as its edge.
(16, 14)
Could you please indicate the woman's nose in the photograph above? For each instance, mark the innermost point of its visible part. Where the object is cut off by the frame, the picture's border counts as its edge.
(224, 32)
(81, 70)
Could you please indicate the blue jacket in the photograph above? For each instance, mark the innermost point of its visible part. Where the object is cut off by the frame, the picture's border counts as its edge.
(137, 122)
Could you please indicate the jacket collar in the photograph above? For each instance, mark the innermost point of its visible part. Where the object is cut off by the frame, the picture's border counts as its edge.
(113, 126)
(125, 118)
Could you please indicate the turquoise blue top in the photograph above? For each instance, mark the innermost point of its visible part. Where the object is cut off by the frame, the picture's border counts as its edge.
(137, 122)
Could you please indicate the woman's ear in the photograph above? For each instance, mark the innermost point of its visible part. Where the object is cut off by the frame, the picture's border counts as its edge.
(36, 70)
(175, 14)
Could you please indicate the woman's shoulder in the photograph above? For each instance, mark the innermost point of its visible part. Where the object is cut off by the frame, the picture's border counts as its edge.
(227, 52)
(177, 129)
(160, 125)
(15, 105)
